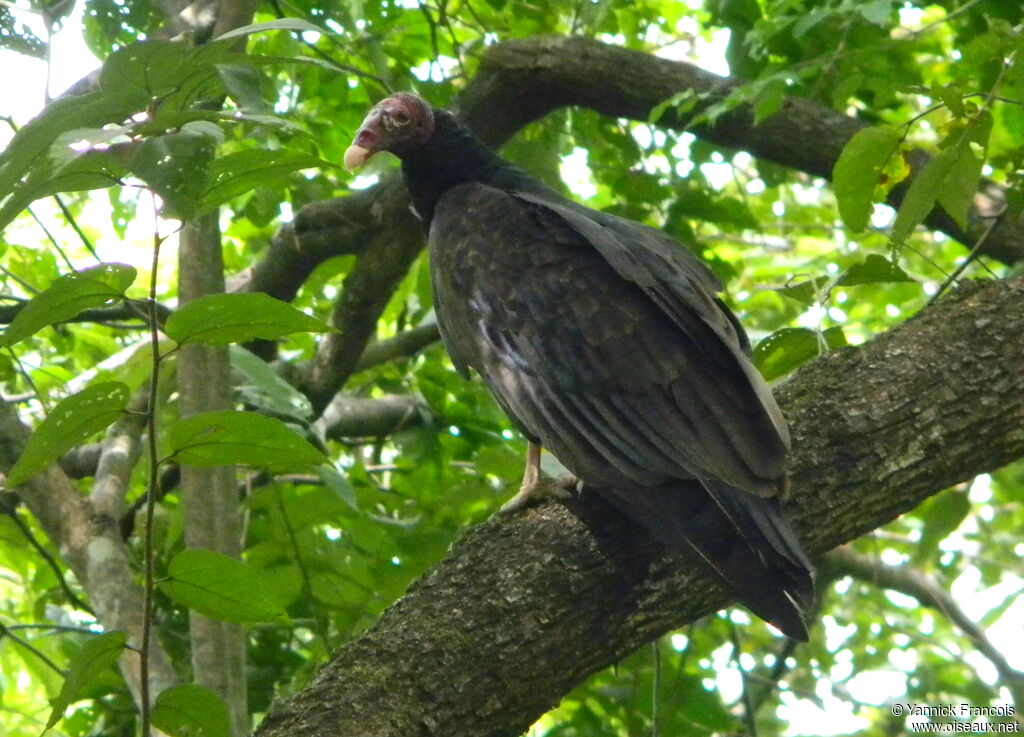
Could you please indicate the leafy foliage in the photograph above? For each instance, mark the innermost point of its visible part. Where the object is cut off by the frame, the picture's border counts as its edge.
(96, 656)
(859, 173)
(75, 419)
(220, 319)
(219, 586)
(340, 522)
(189, 710)
(227, 436)
(67, 297)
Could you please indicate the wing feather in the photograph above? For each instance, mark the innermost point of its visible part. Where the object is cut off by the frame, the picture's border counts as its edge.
(615, 356)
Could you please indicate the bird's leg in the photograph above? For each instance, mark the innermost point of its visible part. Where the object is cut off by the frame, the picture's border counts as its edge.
(535, 487)
(531, 474)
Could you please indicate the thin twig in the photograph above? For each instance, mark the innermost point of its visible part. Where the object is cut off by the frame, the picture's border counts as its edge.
(29, 288)
(112, 317)
(276, 6)
(945, 19)
(50, 628)
(307, 584)
(6, 632)
(26, 376)
(975, 249)
(748, 704)
(930, 593)
(50, 560)
(50, 237)
(432, 25)
(151, 490)
(73, 222)
(445, 20)
(403, 345)
(655, 686)
(481, 26)
(990, 97)
(779, 669)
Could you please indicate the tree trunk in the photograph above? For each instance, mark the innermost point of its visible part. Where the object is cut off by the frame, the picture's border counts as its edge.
(209, 496)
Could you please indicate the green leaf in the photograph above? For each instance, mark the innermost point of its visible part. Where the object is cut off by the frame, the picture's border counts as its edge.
(242, 171)
(163, 75)
(129, 69)
(681, 103)
(993, 615)
(227, 437)
(809, 20)
(190, 710)
(218, 319)
(769, 99)
(922, 194)
(952, 96)
(264, 388)
(245, 83)
(203, 127)
(858, 171)
(66, 297)
(957, 194)
(876, 11)
(499, 460)
(31, 145)
(873, 270)
(941, 516)
(270, 60)
(337, 483)
(786, 350)
(57, 173)
(281, 24)
(697, 203)
(806, 292)
(96, 656)
(176, 166)
(702, 707)
(219, 586)
(72, 421)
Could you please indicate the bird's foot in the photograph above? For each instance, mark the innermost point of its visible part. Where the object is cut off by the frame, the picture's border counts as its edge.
(540, 489)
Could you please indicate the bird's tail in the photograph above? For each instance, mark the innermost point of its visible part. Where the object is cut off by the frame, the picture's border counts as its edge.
(746, 539)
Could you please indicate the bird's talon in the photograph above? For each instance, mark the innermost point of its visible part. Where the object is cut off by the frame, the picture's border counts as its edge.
(570, 484)
(540, 490)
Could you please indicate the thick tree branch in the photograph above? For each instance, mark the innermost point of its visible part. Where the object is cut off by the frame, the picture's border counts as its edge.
(362, 417)
(119, 452)
(403, 345)
(928, 591)
(389, 252)
(115, 314)
(528, 605)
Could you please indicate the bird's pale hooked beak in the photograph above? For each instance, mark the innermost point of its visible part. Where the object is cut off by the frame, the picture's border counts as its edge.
(356, 156)
(366, 143)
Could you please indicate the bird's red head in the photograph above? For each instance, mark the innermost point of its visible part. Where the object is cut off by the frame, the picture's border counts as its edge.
(400, 124)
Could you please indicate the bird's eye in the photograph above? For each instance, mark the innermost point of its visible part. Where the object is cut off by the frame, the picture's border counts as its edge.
(394, 120)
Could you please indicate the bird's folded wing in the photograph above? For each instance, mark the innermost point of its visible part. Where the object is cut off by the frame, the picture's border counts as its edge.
(637, 377)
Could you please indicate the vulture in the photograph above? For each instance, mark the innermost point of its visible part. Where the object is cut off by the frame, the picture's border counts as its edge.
(605, 343)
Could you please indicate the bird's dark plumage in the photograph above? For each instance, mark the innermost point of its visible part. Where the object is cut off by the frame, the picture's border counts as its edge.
(604, 342)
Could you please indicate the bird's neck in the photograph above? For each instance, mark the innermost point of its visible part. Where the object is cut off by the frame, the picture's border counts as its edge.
(453, 156)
